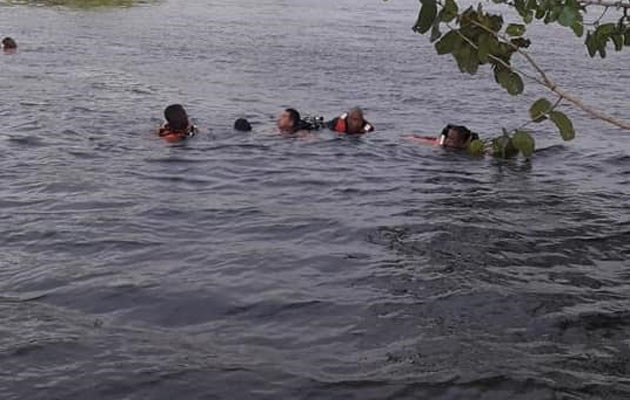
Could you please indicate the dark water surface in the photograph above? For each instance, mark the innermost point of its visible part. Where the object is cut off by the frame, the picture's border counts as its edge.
(247, 266)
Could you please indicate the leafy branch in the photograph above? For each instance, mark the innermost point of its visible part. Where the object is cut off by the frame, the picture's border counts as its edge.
(476, 37)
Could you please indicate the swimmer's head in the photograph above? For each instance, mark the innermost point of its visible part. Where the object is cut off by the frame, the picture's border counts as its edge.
(457, 137)
(289, 120)
(9, 44)
(356, 121)
(176, 117)
(242, 125)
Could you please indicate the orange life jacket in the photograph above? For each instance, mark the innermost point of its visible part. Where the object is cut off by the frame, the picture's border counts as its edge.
(172, 136)
(342, 125)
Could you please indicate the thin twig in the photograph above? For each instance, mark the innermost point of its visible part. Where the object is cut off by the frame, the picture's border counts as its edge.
(605, 3)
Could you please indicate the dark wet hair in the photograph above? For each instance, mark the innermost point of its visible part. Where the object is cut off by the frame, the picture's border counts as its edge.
(242, 125)
(176, 117)
(295, 117)
(9, 43)
(465, 134)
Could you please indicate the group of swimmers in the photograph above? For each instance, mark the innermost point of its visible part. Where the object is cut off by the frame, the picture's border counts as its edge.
(177, 127)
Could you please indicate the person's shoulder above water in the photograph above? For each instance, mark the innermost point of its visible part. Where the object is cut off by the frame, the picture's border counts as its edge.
(8, 44)
(176, 126)
(353, 123)
(452, 136)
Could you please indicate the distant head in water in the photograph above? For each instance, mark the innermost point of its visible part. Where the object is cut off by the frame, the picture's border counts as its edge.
(9, 44)
(242, 125)
(177, 126)
(457, 137)
(289, 121)
(176, 118)
(356, 121)
(352, 122)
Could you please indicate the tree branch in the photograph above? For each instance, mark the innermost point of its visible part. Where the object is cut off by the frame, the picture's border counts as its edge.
(497, 59)
(605, 3)
(551, 85)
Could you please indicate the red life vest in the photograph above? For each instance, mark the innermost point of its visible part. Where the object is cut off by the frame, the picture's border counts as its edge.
(176, 136)
(342, 125)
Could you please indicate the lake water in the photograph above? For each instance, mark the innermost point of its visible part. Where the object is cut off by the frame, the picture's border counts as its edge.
(250, 266)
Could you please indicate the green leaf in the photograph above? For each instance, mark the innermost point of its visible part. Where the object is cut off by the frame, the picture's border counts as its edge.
(516, 85)
(539, 109)
(578, 28)
(449, 11)
(476, 148)
(568, 16)
(564, 124)
(520, 6)
(483, 47)
(617, 39)
(435, 31)
(511, 81)
(591, 44)
(606, 30)
(626, 40)
(502, 147)
(467, 60)
(495, 23)
(427, 15)
(524, 142)
(448, 43)
(553, 14)
(531, 5)
(501, 75)
(515, 30)
(528, 18)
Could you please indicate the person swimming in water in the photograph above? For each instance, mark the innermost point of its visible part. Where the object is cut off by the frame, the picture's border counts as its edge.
(177, 127)
(351, 123)
(8, 44)
(452, 136)
(290, 122)
(242, 125)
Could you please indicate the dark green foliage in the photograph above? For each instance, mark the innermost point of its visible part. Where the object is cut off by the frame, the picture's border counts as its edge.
(503, 147)
(515, 30)
(524, 143)
(475, 42)
(578, 28)
(449, 11)
(449, 43)
(597, 40)
(428, 12)
(475, 38)
(564, 124)
(569, 15)
(509, 80)
(476, 148)
(538, 111)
